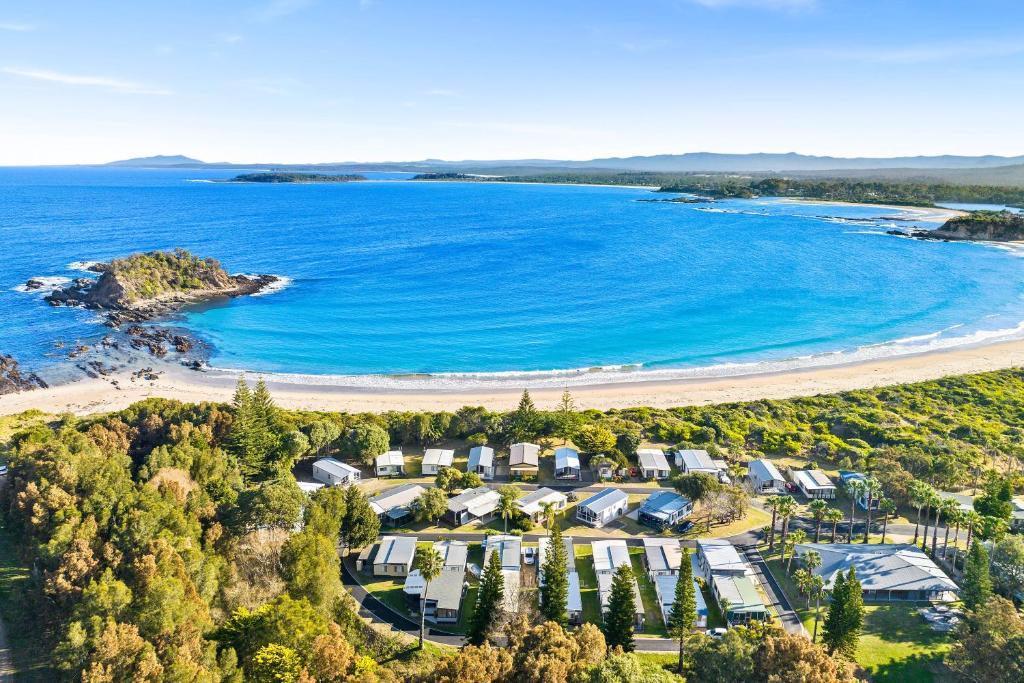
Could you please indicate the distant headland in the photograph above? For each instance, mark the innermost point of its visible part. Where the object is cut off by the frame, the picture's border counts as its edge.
(272, 177)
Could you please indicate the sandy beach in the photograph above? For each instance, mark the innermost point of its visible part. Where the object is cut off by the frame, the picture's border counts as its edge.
(88, 396)
(925, 214)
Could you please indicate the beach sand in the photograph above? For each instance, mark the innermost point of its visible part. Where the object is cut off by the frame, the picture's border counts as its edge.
(88, 396)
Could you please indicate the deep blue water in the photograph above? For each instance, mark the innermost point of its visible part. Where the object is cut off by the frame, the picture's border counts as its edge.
(404, 277)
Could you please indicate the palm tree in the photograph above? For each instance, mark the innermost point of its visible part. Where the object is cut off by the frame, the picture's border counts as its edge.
(430, 565)
(872, 488)
(797, 537)
(549, 512)
(817, 589)
(959, 519)
(855, 488)
(833, 516)
(918, 498)
(972, 520)
(818, 508)
(787, 508)
(945, 507)
(931, 500)
(953, 515)
(507, 509)
(887, 506)
(772, 504)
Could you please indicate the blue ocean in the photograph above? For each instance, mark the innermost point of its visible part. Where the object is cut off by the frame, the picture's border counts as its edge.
(464, 280)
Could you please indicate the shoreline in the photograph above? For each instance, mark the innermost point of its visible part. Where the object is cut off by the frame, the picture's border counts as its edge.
(99, 395)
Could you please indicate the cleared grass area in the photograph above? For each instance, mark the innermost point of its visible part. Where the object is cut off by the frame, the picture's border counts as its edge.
(754, 518)
(653, 624)
(896, 644)
(588, 585)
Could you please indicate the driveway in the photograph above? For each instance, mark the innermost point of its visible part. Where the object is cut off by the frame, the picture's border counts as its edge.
(746, 544)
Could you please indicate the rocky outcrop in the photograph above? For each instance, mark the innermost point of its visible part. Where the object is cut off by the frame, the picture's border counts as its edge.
(148, 286)
(13, 380)
(977, 226)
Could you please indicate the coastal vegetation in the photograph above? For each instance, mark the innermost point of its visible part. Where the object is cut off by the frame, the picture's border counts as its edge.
(994, 226)
(170, 541)
(294, 177)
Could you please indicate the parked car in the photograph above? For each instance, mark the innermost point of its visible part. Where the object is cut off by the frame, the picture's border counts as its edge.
(791, 487)
(3, 470)
(684, 526)
(530, 555)
(634, 472)
(717, 632)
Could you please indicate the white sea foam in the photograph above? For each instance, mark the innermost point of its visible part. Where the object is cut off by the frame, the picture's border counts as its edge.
(622, 374)
(277, 285)
(49, 283)
(82, 265)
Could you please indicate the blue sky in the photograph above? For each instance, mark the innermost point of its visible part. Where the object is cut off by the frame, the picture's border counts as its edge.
(333, 80)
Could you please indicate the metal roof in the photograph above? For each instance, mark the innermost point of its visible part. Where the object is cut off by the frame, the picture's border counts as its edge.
(604, 592)
(475, 499)
(398, 496)
(575, 601)
(570, 553)
(446, 590)
(392, 458)
(740, 593)
(764, 470)
(894, 566)
(567, 457)
(609, 555)
(396, 550)
(442, 457)
(335, 467)
(604, 499)
(721, 555)
(455, 553)
(652, 459)
(697, 460)
(523, 454)
(510, 547)
(663, 554)
(664, 504)
(533, 502)
(481, 456)
(812, 479)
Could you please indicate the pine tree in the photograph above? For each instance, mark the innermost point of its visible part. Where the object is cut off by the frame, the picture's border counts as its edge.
(554, 593)
(977, 580)
(684, 607)
(360, 526)
(489, 596)
(619, 619)
(254, 437)
(834, 619)
(241, 404)
(522, 424)
(853, 615)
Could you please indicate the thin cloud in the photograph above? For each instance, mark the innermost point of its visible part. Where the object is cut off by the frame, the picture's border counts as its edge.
(275, 9)
(111, 84)
(442, 92)
(16, 27)
(232, 38)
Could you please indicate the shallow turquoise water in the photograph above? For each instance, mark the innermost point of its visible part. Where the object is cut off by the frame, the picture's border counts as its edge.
(400, 277)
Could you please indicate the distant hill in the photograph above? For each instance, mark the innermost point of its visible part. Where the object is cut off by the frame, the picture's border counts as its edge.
(158, 160)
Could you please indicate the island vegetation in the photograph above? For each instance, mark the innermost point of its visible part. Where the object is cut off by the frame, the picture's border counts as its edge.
(170, 541)
(991, 226)
(143, 286)
(443, 176)
(294, 177)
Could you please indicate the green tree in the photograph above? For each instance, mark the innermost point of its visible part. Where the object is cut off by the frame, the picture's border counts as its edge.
(594, 439)
(365, 441)
(507, 503)
(626, 667)
(684, 607)
(833, 516)
(855, 488)
(554, 591)
(787, 509)
(272, 504)
(977, 586)
(567, 420)
(311, 570)
(448, 479)
(430, 565)
(322, 434)
(430, 505)
(845, 616)
(817, 508)
(887, 506)
(873, 489)
(325, 512)
(621, 613)
(361, 525)
(523, 423)
(490, 594)
(274, 663)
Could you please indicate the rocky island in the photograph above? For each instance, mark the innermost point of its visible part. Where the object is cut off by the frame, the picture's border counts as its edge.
(155, 284)
(977, 226)
(277, 177)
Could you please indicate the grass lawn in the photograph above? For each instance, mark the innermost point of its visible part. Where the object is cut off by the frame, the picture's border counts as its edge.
(30, 655)
(653, 625)
(896, 644)
(588, 585)
(755, 518)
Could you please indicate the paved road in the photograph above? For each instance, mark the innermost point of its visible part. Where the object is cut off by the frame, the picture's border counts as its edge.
(747, 545)
(475, 537)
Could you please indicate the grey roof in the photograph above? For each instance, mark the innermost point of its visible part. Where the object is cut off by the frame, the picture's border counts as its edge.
(652, 459)
(664, 504)
(454, 553)
(396, 550)
(474, 500)
(740, 593)
(570, 553)
(604, 499)
(663, 554)
(812, 479)
(575, 601)
(604, 591)
(335, 467)
(567, 457)
(442, 457)
(446, 589)
(392, 458)
(524, 454)
(697, 460)
(764, 470)
(510, 547)
(609, 555)
(894, 566)
(533, 501)
(481, 456)
(721, 555)
(396, 497)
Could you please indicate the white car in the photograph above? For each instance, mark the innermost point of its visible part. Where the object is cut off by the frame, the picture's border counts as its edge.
(3, 470)
(529, 555)
(717, 632)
